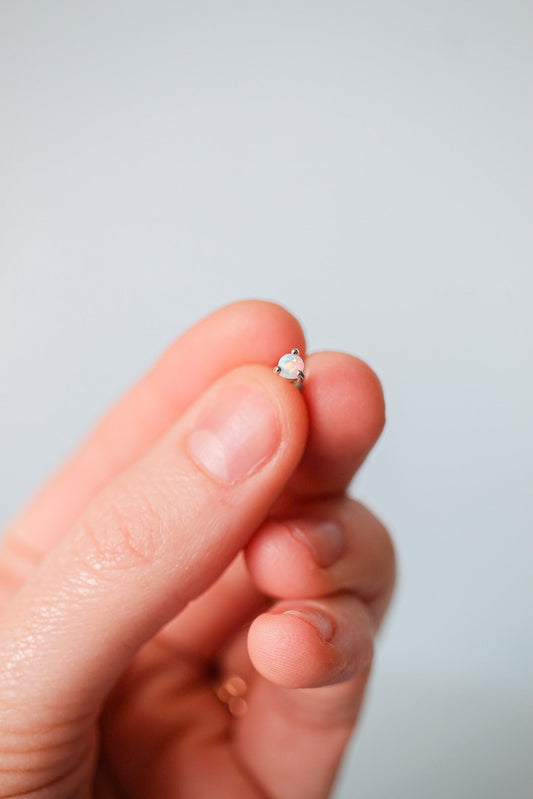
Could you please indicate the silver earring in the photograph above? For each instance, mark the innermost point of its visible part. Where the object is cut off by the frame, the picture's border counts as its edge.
(291, 367)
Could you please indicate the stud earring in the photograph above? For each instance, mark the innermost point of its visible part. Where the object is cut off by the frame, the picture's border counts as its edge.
(291, 367)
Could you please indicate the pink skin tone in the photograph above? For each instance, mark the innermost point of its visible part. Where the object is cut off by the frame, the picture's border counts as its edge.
(203, 529)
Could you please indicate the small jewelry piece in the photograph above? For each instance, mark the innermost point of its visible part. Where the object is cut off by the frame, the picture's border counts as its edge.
(291, 367)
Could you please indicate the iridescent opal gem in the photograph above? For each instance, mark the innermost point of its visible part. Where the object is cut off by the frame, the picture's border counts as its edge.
(290, 366)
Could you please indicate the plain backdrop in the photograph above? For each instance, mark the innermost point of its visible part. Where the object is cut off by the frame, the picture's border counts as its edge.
(368, 165)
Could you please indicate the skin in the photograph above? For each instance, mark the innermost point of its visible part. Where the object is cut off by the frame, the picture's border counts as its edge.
(136, 582)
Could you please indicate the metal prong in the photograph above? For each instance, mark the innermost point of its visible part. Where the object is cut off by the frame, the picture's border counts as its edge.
(295, 351)
(300, 376)
(277, 369)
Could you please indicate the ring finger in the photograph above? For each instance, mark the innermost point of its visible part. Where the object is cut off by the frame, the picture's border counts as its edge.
(326, 547)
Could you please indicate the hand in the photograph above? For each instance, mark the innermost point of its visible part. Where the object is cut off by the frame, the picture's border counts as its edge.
(162, 560)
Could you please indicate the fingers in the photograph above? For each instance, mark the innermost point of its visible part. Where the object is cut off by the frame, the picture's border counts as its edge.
(291, 741)
(329, 546)
(150, 542)
(345, 405)
(311, 643)
(343, 396)
(334, 566)
(244, 332)
(326, 647)
(346, 416)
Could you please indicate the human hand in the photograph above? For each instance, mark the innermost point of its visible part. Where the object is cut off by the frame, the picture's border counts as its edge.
(154, 567)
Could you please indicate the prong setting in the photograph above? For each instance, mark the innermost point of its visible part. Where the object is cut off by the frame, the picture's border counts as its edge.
(291, 367)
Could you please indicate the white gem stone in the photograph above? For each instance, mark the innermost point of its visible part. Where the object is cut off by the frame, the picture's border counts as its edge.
(290, 365)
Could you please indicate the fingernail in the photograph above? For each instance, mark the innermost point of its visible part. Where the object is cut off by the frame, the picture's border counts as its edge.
(237, 435)
(324, 538)
(322, 624)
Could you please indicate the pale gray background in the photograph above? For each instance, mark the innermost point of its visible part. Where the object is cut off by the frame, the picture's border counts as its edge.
(370, 166)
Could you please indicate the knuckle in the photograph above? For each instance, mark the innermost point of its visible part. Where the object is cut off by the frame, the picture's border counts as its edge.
(120, 535)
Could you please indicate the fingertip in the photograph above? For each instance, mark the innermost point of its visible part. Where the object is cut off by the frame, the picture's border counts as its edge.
(250, 408)
(288, 651)
(372, 404)
(254, 321)
(243, 332)
(346, 409)
(347, 389)
(313, 644)
(291, 407)
(282, 562)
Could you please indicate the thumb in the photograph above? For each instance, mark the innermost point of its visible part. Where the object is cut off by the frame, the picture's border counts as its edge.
(151, 541)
